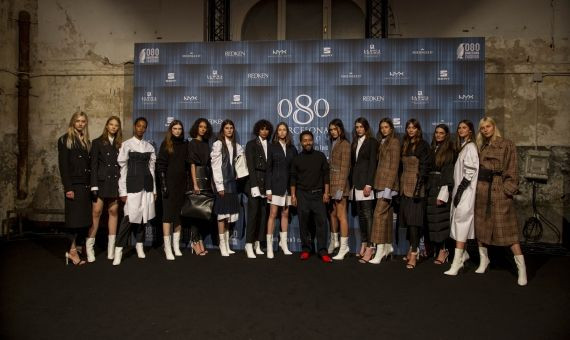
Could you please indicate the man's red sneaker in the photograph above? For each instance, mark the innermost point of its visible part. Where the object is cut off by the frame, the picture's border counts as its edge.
(326, 259)
(304, 255)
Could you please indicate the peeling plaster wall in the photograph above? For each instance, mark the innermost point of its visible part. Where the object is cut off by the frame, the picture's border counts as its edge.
(82, 54)
(81, 58)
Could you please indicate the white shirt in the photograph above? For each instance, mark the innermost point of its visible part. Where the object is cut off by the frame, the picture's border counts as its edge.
(284, 147)
(216, 156)
(360, 141)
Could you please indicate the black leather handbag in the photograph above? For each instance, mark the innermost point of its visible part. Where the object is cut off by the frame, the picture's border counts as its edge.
(198, 206)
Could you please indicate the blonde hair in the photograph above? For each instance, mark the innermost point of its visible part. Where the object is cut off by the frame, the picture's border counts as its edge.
(481, 140)
(72, 134)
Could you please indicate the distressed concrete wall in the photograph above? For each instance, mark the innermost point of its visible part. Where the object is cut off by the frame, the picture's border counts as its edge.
(82, 57)
(82, 54)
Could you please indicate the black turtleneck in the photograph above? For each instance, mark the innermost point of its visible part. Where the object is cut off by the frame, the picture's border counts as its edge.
(173, 164)
(310, 170)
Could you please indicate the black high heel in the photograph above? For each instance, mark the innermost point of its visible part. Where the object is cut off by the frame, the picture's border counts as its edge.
(69, 256)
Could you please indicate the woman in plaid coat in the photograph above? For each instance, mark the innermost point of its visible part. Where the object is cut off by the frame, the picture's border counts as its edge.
(415, 170)
(339, 187)
(386, 185)
(495, 216)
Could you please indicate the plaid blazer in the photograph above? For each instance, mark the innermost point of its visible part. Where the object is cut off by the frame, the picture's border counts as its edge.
(415, 165)
(340, 168)
(388, 165)
(500, 227)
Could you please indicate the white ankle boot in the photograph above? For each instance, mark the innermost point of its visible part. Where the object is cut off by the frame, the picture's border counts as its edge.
(521, 267)
(229, 250)
(118, 256)
(283, 243)
(223, 245)
(111, 247)
(269, 246)
(333, 243)
(168, 248)
(140, 250)
(457, 263)
(343, 250)
(176, 243)
(483, 260)
(89, 244)
(379, 254)
(257, 247)
(249, 251)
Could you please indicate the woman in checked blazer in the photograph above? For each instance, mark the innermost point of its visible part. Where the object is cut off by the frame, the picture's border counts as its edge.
(386, 185)
(339, 187)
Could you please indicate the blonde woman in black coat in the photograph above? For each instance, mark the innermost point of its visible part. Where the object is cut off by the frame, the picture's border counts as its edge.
(74, 168)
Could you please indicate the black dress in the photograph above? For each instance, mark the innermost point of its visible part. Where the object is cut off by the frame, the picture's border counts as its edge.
(74, 168)
(174, 166)
(438, 218)
(105, 170)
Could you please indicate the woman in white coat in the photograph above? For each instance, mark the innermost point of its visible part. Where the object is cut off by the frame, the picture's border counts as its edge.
(464, 189)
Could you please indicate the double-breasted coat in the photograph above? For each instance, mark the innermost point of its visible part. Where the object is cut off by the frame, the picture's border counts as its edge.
(105, 170)
(75, 171)
(495, 218)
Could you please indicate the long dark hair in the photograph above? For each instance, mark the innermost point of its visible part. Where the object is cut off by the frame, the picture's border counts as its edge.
(338, 123)
(118, 138)
(196, 125)
(417, 138)
(383, 147)
(470, 138)
(367, 131)
(444, 151)
(168, 138)
(275, 138)
(222, 137)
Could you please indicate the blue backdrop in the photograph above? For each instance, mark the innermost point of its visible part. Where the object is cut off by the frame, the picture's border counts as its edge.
(307, 84)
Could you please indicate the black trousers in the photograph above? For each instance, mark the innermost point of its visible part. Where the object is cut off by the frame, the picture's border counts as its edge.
(256, 219)
(365, 210)
(310, 203)
(125, 229)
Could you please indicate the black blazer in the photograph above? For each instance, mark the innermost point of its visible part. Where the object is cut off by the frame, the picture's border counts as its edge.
(363, 170)
(74, 166)
(105, 170)
(256, 165)
(277, 177)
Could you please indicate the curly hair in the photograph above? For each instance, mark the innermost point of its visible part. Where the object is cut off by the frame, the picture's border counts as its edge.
(260, 124)
(194, 129)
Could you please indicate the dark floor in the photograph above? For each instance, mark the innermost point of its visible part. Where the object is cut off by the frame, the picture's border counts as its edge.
(237, 298)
